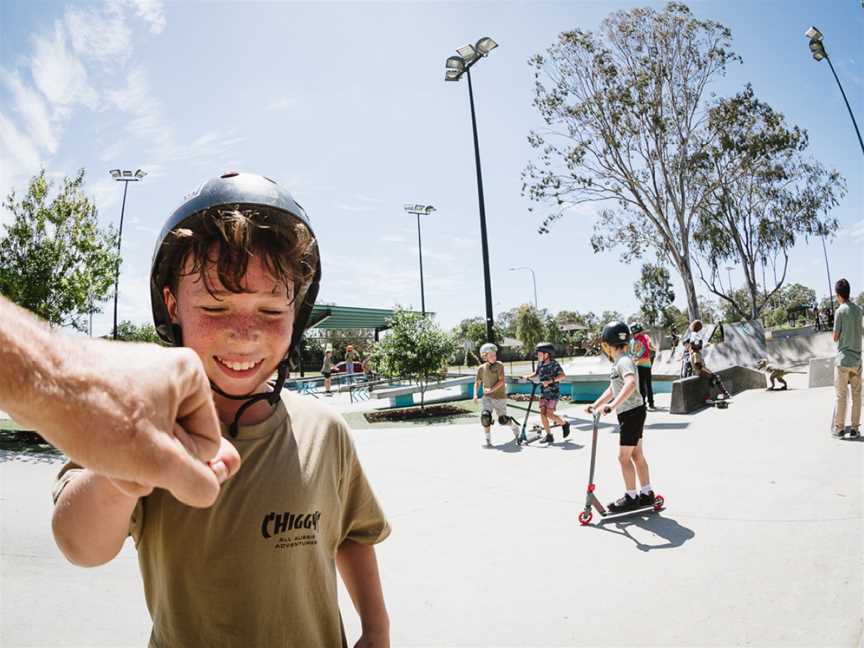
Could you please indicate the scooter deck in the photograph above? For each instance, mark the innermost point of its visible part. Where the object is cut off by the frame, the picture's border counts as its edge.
(642, 509)
(720, 403)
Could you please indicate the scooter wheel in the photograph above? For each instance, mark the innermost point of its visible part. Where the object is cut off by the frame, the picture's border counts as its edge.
(658, 502)
(585, 517)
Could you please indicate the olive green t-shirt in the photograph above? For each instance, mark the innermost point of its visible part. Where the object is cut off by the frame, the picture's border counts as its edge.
(258, 567)
(490, 375)
(847, 322)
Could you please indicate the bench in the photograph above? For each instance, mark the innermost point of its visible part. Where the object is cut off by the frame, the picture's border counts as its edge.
(404, 396)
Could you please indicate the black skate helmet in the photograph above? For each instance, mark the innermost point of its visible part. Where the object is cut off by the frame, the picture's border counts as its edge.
(545, 347)
(635, 328)
(237, 191)
(615, 334)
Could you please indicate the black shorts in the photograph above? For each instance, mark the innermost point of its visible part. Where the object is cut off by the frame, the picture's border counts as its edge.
(631, 423)
(326, 374)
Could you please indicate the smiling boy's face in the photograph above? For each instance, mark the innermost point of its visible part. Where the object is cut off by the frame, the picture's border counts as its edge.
(240, 337)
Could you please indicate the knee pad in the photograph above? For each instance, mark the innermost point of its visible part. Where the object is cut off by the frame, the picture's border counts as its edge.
(486, 418)
(504, 420)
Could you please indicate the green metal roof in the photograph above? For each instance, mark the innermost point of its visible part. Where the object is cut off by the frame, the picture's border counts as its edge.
(349, 317)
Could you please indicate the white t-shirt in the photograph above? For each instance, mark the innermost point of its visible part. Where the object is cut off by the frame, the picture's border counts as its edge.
(624, 366)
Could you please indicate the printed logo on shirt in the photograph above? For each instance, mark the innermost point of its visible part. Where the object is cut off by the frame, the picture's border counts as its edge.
(291, 529)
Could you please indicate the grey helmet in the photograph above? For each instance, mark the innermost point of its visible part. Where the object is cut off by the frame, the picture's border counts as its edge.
(545, 347)
(486, 348)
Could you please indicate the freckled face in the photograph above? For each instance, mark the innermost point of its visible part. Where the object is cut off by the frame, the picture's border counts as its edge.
(240, 338)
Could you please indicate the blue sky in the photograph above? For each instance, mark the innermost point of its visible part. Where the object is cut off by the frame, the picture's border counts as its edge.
(345, 104)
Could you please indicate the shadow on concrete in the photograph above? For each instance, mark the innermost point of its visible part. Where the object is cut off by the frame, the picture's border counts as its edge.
(665, 528)
(666, 426)
(566, 444)
(27, 446)
(510, 447)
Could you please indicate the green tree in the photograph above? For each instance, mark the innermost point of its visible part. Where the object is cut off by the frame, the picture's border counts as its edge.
(791, 304)
(55, 260)
(860, 299)
(709, 309)
(654, 292)
(505, 324)
(675, 319)
(552, 330)
(471, 332)
(765, 197)
(130, 332)
(609, 316)
(529, 327)
(627, 126)
(415, 348)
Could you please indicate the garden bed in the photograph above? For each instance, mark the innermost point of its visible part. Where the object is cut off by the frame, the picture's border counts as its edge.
(415, 413)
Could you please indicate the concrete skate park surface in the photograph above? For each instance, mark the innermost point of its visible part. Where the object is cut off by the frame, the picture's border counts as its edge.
(760, 544)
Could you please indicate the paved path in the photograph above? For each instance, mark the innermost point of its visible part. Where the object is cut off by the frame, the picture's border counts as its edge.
(761, 543)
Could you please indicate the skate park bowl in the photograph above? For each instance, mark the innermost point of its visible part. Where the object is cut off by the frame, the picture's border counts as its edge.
(690, 394)
(585, 388)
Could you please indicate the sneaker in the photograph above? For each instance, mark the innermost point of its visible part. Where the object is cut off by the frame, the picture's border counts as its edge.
(838, 434)
(624, 504)
(548, 439)
(855, 433)
(488, 443)
(566, 428)
(646, 499)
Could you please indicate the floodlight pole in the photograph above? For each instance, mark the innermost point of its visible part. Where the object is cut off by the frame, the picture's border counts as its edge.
(119, 244)
(487, 281)
(848, 107)
(420, 248)
(124, 176)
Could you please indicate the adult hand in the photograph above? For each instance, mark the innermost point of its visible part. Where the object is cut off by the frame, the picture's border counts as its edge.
(145, 414)
(607, 409)
(224, 465)
(137, 412)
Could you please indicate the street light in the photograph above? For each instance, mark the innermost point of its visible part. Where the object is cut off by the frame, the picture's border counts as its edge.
(533, 278)
(125, 176)
(455, 67)
(418, 210)
(817, 49)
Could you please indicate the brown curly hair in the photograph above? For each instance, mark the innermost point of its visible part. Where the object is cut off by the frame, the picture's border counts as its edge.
(228, 237)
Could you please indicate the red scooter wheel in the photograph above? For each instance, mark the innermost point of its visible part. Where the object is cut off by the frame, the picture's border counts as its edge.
(585, 517)
(658, 502)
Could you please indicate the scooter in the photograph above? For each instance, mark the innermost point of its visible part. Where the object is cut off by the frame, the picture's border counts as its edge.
(591, 500)
(537, 431)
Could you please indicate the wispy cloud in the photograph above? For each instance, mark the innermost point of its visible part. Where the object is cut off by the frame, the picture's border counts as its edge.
(354, 208)
(368, 199)
(282, 104)
(151, 11)
(855, 231)
(101, 34)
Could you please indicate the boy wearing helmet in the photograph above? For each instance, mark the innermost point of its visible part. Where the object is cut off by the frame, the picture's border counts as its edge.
(234, 277)
(550, 374)
(491, 375)
(642, 350)
(623, 392)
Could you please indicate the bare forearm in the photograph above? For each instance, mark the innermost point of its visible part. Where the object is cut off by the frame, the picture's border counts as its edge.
(30, 361)
(605, 396)
(359, 569)
(91, 519)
